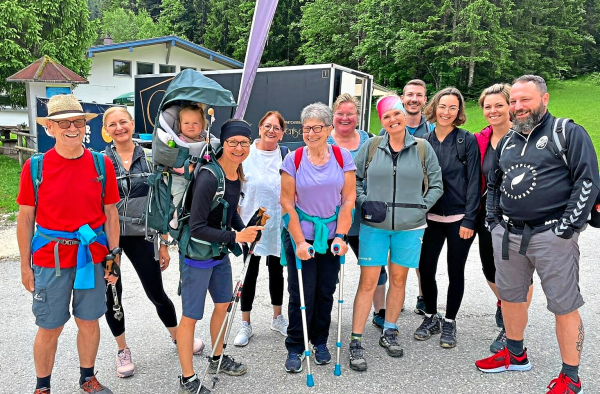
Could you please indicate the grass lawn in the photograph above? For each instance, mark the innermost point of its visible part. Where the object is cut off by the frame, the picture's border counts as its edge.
(10, 172)
(576, 99)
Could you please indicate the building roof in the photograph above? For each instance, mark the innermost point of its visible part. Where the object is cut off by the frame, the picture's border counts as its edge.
(173, 41)
(46, 69)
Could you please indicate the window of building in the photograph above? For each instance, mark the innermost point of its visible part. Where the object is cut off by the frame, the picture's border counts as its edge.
(185, 68)
(145, 68)
(122, 67)
(166, 69)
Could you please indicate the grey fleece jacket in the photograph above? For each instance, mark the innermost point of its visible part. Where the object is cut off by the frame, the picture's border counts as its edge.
(400, 183)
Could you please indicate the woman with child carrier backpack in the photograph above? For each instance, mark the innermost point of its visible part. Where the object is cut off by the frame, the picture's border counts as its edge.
(452, 218)
(219, 228)
(132, 168)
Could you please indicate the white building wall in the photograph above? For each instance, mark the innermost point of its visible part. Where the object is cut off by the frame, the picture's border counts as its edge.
(12, 117)
(104, 86)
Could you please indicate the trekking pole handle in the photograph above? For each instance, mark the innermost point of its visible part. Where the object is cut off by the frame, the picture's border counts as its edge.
(311, 251)
(336, 248)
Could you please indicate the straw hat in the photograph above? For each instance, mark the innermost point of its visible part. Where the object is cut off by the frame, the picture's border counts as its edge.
(63, 106)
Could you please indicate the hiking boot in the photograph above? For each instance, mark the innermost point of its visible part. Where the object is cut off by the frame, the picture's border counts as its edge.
(125, 367)
(430, 326)
(357, 358)
(228, 366)
(92, 386)
(389, 340)
(243, 335)
(379, 319)
(499, 317)
(43, 390)
(293, 363)
(280, 325)
(420, 307)
(198, 346)
(504, 361)
(564, 385)
(189, 387)
(500, 343)
(322, 355)
(448, 337)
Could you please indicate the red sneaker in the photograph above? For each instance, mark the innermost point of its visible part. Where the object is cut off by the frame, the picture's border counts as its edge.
(504, 361)
(564, 385)
(42, 391)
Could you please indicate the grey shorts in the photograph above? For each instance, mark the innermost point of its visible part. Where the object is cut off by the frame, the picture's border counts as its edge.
(53, 294)
(196, 281)
(556, 261)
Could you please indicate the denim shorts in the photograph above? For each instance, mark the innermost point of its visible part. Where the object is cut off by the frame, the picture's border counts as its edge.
(53, 294)
(404, 247)
(195, 282)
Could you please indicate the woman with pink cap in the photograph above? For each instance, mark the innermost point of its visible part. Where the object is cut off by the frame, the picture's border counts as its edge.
(395, 167)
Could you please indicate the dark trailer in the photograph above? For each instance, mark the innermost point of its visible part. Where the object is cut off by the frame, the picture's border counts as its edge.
(284, 89)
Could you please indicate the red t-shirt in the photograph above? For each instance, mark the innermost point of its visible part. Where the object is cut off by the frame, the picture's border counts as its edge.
(68, 197)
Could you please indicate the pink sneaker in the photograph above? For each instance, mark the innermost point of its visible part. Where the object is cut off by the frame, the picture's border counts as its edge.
(125, 367)
(198, 346)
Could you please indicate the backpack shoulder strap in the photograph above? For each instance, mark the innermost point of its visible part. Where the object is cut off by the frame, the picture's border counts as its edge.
(298, 157)
(36, 164)
(337, 152)
(217, 171)
(100, 169)
(373, 146)
(422, 149)
(558, 135)
(283, 150)
(461, 146)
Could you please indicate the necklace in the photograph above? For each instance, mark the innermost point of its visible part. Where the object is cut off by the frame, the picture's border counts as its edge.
(317, 160)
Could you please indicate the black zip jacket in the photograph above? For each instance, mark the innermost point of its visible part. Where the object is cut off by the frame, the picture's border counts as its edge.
(462, 183)
(529, 180)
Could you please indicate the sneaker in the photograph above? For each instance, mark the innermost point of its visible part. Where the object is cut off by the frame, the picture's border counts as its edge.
(125, 367)
(293, 363)
(198, 346)
(564, 385)
(189, 387)
(499, 317)
(228, 366)
(379, 319)
(43, 390)
(504, 361)
(420, 307)
(500, 343)
(431, 325)
(357, 358)
(92, 386)
(322, 355)
(243, 335)
(280, 325)
(389, 340)
(448, 337)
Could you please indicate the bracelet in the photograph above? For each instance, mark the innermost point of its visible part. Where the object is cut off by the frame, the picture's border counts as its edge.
(162, 241)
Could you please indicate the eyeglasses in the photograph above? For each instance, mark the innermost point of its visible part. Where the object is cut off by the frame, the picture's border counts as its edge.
(452, 109)
(317, 129)
(348, 115)
(234, 143)
(268, 127)
(65, 124)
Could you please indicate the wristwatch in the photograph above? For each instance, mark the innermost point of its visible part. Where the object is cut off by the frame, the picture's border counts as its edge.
(343, 237)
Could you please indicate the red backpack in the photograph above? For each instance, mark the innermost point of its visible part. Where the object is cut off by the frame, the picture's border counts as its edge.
(337, 152)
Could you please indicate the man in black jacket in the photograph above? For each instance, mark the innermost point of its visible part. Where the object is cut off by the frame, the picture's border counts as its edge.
(539, 199)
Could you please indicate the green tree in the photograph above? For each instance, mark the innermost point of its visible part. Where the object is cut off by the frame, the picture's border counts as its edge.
(30, 29)
(124, 25)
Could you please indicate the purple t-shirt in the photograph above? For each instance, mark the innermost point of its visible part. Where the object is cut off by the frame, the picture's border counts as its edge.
(318, 188)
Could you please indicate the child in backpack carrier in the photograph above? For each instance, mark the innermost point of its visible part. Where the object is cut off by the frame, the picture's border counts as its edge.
(192, 125)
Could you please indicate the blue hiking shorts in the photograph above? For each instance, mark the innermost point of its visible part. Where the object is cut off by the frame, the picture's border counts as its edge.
(404, 247)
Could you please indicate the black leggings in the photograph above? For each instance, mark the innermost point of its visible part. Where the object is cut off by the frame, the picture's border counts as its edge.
(141, 254)
(435, 235)
(275, 281)
(486, 251)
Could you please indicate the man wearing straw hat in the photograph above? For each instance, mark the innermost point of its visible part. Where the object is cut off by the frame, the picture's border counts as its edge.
(71, 198)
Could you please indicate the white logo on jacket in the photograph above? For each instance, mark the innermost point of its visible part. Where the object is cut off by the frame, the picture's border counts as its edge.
(522, 179)
(542, 142)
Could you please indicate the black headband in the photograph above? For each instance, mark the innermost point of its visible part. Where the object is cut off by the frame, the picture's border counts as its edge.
(233, 128)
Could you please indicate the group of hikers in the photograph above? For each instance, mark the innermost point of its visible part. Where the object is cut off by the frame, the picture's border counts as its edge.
(395, 199)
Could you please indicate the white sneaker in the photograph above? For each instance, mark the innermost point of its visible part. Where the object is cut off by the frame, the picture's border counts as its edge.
(280, 325)
(125, 367)
(243, 335)
(198, 346)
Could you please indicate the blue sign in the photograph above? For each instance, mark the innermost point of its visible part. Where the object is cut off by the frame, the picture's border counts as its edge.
(54, 90)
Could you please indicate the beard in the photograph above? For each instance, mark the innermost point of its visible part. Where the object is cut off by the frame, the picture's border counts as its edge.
(526, 125)
(409, 112)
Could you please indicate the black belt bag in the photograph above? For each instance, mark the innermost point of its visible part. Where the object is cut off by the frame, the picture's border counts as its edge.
(376, 211)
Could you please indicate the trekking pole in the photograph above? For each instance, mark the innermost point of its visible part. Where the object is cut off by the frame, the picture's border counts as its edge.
(112, 268)
(338, 368)
(260, 218)
(309, 377)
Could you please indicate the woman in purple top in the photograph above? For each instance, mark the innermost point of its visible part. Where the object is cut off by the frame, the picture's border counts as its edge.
(318, 193)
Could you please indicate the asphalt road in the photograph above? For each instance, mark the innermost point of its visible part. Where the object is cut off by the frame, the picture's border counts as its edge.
(425, 367)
